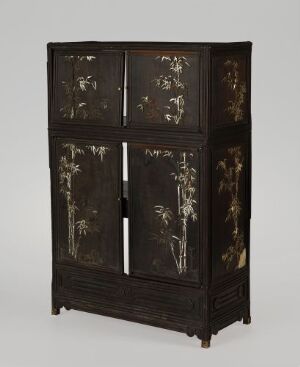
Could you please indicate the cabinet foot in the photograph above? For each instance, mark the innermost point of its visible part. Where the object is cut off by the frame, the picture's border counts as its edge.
(247, 320)
(205, 343)
(55, 311)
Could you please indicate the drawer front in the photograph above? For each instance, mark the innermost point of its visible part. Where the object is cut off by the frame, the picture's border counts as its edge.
(163, 89)
(129, 294)
(87, 176)
(88, 87)
(164, 212)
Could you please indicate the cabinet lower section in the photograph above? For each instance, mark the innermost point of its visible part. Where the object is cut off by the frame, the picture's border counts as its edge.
(175, 307)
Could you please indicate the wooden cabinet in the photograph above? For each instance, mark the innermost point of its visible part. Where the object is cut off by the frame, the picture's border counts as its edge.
(184, 111)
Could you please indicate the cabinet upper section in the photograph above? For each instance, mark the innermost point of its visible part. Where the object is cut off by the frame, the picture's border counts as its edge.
(195, 87)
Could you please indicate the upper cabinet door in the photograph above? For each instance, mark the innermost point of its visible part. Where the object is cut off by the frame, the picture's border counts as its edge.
(88, 87)
(163, 89)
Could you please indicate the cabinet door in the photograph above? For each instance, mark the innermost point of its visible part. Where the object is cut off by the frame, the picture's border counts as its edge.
(164, 212)
(88, 87)
(89, 225)
(164, 89)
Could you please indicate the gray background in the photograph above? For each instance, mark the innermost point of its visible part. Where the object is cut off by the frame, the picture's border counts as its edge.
(29, 336)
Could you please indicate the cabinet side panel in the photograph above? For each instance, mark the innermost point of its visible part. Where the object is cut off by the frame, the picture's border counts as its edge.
(230, 208)
(230, 287)
(231, 87)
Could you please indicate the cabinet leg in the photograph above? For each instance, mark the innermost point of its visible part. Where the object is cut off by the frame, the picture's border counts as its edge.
(205, 343)
(55, 311)
(247, 317)
(247, 320)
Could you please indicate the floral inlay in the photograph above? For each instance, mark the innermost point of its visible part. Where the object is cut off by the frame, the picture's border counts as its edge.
(232, 168)
(68, 169)
(237, 87)
(172, 84)
(185, 179)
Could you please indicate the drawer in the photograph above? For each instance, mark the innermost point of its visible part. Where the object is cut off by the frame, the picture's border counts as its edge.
(79, 287)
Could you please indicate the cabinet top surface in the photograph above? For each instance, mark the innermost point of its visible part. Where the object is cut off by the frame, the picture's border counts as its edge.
(148, 45)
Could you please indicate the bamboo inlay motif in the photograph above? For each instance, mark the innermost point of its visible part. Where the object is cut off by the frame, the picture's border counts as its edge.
(232, 169)
(184, 178)
(68, 169)
(171, 83)
(238, 87)
(75, 105)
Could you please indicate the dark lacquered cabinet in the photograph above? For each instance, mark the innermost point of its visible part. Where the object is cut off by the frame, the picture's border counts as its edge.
(184, 111)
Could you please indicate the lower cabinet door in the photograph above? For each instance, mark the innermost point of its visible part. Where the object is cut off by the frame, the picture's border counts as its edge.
(164, 213)
(87, 196)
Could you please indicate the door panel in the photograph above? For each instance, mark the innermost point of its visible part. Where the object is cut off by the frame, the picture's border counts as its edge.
(89, 213)
(163, 212)
(164, 89)
(89, 87)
